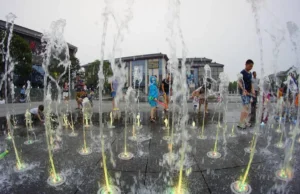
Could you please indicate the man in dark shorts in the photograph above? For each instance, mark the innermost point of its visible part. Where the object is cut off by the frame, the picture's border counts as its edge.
(165, 87)
(246, 91)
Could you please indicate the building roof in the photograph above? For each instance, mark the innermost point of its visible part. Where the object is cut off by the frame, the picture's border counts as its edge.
(283, 73)
(30, 33)
(138, 57)
(147, 56)
(196, 60)
(201, 62)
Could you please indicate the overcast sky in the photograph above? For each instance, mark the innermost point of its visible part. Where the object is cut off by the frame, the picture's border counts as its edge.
(222, 30)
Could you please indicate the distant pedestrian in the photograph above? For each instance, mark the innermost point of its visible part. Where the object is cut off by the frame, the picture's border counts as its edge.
(246, 89)
(255, 83)
(114, 87)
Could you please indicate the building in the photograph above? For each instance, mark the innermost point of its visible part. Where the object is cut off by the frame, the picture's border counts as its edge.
(197, 73)
(156, 64)
(281, 76)
(34, 40)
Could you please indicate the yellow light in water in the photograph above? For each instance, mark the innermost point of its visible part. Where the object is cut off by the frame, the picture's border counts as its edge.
(241, 187)
(138, 120)
(193, 124)
(111, 118)
(166, 122)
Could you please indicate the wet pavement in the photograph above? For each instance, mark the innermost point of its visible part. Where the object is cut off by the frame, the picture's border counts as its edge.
(147, 172)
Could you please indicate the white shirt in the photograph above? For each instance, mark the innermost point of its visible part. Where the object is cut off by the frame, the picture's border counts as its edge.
(34, 111)
(255, 83)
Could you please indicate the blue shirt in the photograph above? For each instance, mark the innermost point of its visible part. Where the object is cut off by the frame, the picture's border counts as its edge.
(247, 81)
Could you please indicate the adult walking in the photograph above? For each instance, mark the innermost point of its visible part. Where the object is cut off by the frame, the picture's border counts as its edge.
(246, 89)
(255, 83)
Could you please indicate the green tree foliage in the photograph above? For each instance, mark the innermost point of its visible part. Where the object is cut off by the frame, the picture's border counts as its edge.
(21, 55)
(91, 73)
(232, 87)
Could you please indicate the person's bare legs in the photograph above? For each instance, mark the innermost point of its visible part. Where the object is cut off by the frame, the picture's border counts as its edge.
(79, 102)
(199, 110)
(113, 104)
(206, 107)
(152, 113)
(167, 102)
(244, 114)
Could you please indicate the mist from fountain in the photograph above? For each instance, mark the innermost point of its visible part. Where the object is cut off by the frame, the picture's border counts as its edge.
(129, 99)
(55, 179)
(56, 55)
(118, 73)
(179, 90)
(241, 186)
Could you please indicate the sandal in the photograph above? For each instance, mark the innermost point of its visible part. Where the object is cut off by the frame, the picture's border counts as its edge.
(152, 120)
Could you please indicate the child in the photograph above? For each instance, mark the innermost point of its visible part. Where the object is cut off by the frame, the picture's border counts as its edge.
(37, 113)
(200, 93)
(196, 101)
(80, 97)
(66, 91)
(152, 98)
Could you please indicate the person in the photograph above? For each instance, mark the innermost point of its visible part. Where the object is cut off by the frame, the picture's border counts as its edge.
(255, 83)
(114, 87)
(196, 101)
(83, 95)
(152, 97)
(79, 90)
(245, 89)
(199, 94)
(22, 92)
(91, 95)
(165, 87)
(66, 91)
(22, 95)
(37, 113)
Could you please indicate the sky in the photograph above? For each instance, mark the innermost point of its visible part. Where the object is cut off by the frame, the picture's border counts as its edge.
(222, 30)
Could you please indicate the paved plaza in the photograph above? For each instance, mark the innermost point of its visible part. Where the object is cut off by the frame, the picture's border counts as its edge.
(148, 171)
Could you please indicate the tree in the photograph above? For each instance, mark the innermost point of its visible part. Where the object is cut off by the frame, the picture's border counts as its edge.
(91, 73)
(75, 67)
(232, 87)
(21, 55)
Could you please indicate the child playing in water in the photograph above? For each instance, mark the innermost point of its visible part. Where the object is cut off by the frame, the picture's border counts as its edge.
(200, 97)
(37, 113)
(152, 97)
(196, 101)
(66, 91)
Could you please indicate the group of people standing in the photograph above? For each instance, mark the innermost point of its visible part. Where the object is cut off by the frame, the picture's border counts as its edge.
(287, 96)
